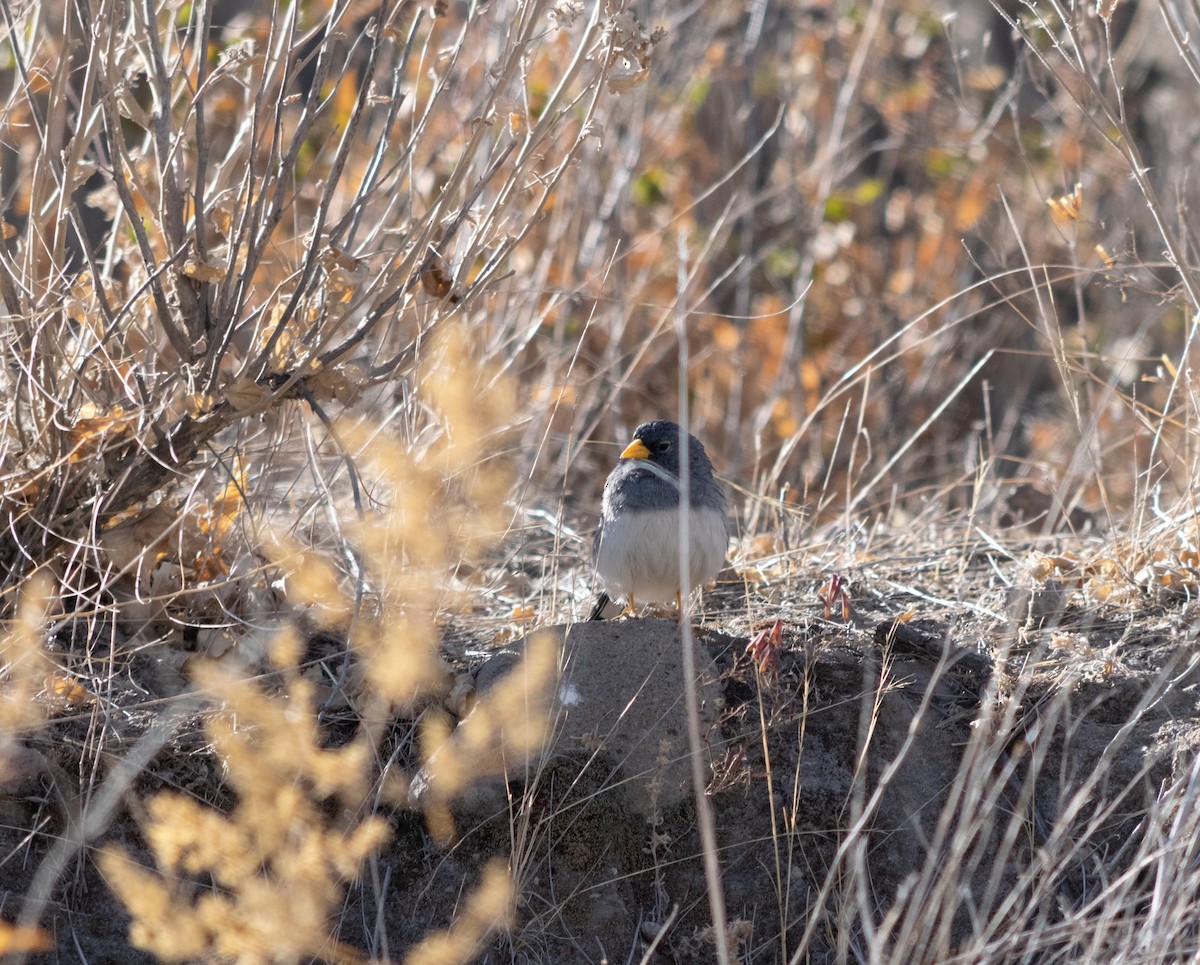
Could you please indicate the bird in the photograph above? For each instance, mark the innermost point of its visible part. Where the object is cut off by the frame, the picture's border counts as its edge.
(636, 547)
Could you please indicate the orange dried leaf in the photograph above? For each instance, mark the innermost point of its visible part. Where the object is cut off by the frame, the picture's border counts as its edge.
(151, 535)
(203, 271)
(726, 336)
(438, 283)
(199, 403)
(986, 79)
(1042, 570)
(93, 423)
(286, 342)
(1068, 207)
(216, 521)
(17, 940)
(210, 564)
(67, 689)
(973, 201)
(344, 270)
(245, 393)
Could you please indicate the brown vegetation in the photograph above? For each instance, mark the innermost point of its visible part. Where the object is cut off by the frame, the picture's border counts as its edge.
(311, 317)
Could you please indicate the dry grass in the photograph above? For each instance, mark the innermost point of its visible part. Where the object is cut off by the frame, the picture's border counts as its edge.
(310, 318)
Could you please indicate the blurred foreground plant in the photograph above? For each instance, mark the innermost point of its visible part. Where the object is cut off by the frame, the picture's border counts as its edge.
(261, 883)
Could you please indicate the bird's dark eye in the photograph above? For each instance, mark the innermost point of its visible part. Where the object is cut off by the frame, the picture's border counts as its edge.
(663, 446)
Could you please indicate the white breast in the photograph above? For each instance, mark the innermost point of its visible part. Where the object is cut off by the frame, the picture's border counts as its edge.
(638, 553)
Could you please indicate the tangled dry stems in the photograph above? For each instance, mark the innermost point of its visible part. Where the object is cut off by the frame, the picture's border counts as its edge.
(228, 239)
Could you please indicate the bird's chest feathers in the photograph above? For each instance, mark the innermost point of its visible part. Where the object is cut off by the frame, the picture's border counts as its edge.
(638, 491)
(638, 552)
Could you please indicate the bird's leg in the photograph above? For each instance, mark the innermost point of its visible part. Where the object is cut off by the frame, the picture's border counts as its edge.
(630, 605)
(679, 604)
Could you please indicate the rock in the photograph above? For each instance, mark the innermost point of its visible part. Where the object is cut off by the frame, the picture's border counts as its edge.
(617, 705)
(621, 697)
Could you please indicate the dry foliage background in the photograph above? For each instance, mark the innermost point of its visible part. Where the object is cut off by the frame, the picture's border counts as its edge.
(312, 313)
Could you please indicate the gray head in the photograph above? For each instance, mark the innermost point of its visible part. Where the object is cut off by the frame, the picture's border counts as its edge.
(661, 443)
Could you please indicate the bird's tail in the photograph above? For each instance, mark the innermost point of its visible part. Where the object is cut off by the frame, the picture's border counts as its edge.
(598, 610)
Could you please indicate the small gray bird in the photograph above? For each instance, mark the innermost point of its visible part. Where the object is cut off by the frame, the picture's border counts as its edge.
(636, 549)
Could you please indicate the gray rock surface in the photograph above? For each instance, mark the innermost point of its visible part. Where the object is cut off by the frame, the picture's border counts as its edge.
(619, 703)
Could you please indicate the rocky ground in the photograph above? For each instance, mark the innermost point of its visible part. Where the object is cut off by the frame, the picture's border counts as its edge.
(956, 763)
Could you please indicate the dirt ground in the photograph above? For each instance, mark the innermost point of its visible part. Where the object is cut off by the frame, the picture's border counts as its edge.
(849, 768)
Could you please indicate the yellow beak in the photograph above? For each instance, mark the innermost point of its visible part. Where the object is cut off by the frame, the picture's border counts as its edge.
(636, 450)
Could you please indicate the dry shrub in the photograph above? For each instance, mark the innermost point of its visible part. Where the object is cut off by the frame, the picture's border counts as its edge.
(260, 883)
(219, 224)
(224, 241)
(221, 242)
